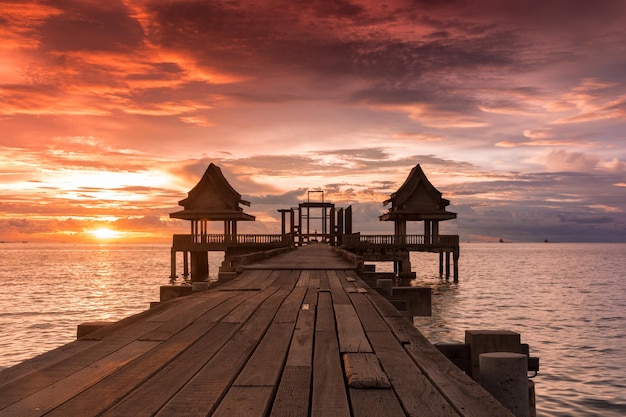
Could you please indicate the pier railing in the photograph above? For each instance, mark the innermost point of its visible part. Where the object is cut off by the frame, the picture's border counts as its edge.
(220, 240)
(356, 240)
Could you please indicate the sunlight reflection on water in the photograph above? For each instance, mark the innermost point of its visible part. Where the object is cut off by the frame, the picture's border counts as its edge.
(47, 290)
(566, 300)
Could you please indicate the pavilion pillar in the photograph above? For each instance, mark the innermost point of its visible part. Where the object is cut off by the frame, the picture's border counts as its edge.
(300, 231)
(173, 263)
(447, 264)
(427, 239)
(435, 232)
(333, 230)
(400, 231)
(185, 263)
(282, 222)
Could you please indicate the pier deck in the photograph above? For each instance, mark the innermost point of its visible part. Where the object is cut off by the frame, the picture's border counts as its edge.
(299, 335)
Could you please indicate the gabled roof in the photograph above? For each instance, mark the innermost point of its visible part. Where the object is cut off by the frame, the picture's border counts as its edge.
(213, 198)
(417, 199)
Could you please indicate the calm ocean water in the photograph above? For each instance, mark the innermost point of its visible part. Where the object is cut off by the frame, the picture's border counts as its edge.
(568, 301)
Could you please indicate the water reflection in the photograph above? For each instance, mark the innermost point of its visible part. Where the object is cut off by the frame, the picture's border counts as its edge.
(566, 300)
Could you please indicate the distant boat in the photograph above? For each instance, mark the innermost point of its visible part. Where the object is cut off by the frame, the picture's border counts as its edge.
(501, 240)
(545, 241)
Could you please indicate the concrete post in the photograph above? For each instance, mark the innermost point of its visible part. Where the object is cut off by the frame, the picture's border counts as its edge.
(504, 375)
(486, 341)
(199, 266)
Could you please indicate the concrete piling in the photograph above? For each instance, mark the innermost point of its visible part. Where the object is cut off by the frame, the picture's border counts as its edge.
(504, 375)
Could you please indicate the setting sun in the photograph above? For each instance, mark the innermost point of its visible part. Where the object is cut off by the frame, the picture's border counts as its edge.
(105, 233)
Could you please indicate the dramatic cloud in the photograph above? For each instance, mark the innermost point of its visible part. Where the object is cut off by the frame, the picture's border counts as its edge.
(111, 111)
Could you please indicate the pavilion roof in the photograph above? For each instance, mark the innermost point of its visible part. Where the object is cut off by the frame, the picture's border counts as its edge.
(213, 198)
(417, 199)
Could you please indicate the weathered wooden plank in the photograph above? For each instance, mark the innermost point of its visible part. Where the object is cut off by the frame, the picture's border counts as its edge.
(42, 361)
(301, 348)
(465, 395)
(351, 335)
(363, 371)
(128, 324)
(254, 279)
(245, 401)
(46, 376)
(248, 307)
(314, 279)
(375, 403)
(172, 308)
(148, 398)
(310, 299)
(294, 392)
(383, 306)
(325, 321)
(368, 314)
(386, 309)
(202, 393)
(288, 313)
(285, 279)
(329, 397)
(311, 296)
(337, 290)
(416, 393)
(110, 390)
(266, 363)
(303, 281)
(347, 279)
(55, 394)
(186, 318)
(324, 285)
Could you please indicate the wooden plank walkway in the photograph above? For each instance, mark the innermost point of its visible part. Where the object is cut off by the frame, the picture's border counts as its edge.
(285, 341)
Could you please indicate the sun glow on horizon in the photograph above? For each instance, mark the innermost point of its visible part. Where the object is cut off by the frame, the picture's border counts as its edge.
(104, 233)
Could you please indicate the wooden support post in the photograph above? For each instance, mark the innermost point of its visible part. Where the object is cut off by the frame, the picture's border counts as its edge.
(86, 328)
(417, 299)
(282, 221)
(173, 263)
(440, 264)
(169, 292)
(333, 230)
(447, 264)
(185, 263)
(456, 265)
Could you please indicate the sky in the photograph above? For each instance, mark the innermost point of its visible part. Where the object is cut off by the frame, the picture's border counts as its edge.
(110, 111)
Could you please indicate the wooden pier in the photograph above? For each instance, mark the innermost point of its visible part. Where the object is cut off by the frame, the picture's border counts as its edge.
(299, 334)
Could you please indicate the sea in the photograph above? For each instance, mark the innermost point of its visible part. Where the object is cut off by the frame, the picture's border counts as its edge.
(567, 300)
